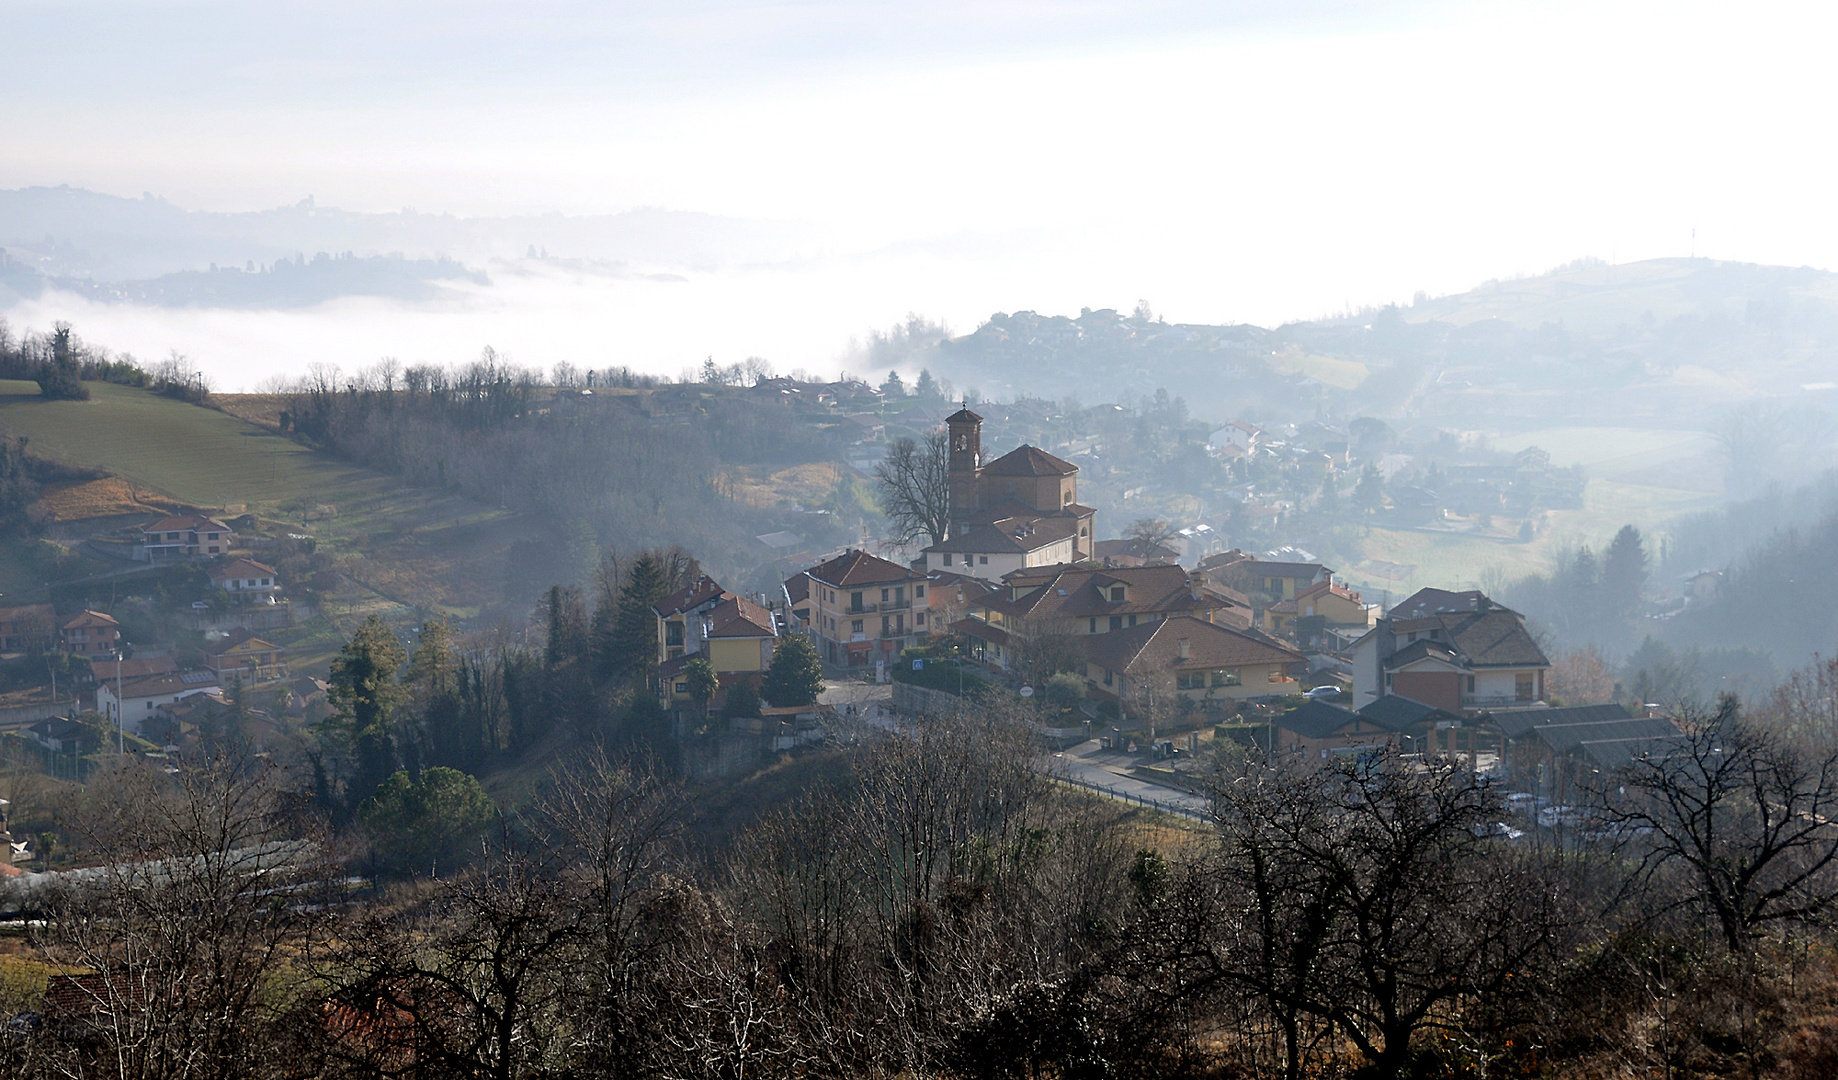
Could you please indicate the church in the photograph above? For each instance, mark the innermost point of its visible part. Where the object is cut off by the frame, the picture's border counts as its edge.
(1018, 512)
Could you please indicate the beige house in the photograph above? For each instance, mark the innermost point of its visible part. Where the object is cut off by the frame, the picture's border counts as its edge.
(863, 608)
(1454, 650)
(741, 640)
(244, 656)
(185, 536)
(1164, 662)
(245, 575)
(89, 633)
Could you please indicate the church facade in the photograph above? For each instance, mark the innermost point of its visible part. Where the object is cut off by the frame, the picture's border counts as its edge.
(1018, 512)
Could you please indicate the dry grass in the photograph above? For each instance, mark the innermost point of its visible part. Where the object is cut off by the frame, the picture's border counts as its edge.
(108, 497)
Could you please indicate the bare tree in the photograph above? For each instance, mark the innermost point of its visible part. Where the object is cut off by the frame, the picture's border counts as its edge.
(914, 485)
(1733, 820)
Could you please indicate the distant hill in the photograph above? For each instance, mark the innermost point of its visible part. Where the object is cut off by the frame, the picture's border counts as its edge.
(73, 233)
(1673, 342)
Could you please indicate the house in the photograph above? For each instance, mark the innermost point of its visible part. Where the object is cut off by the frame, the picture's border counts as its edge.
(1239, 434)
(1265, 581)
(184, 536)
(1318, 729)
(62, 735)
(27, 627)
(137, 700)
(244, 656)
(796, 592)
(1453, 650)
(245, 575)
(138, 667)
(1049, 609)
(1555, 749)
(683, 618)
(1185, 658)
(89, 633)
(865, 609)
(742, 638)
(1133, 552)
(1334, 605)
(1425, 729)
(1014, 513)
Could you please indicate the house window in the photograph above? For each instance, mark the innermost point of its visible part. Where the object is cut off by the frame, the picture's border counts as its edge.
(883, 596)
(947, 558)
(855, 601)
(982, 560)
(1228, 677)
(1107, 676)
(1116, 594)
(1094, 624)
(855, 627)
(1522, 686)
(1470, 684)
(1190, 680)
(673, 634)
(919, 619)
(682, 686)
(1116, 622)
(1132, 620)
(918, 592)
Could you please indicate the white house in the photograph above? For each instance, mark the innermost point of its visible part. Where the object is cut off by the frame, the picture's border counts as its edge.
(139, 697)
(245, 575)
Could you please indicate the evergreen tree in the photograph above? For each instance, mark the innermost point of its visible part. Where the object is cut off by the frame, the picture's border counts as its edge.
(1624, 572)
(567, 618)
(894, 387)
(795, 676)
(629, 649)
(926, 387)
(742, 700)
(364, 695)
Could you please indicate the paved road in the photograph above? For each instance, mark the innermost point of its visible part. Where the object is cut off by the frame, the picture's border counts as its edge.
(1107, 771)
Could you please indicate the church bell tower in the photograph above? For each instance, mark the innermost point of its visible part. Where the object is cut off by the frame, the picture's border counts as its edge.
(965, 430)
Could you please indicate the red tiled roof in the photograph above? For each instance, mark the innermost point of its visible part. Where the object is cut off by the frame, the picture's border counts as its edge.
(1029, 461)
(854, 568)
(241, 568)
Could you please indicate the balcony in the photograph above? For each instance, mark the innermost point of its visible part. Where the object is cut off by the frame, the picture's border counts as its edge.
(876, 609)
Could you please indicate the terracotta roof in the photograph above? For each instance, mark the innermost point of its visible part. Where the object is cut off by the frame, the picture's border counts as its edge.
(963, 416)
(225, 644)
(241, 568)
(70, 997)
(693, 595)
(854, 568)
(798, 589)
(1493, 638)
(977, 628)
(1156, 646)
(1133, 548)
(1029, 461)
(737, 617)
(1077, 593)
(185, 523)
(89, 618)
(1427, 602)
(138, 667)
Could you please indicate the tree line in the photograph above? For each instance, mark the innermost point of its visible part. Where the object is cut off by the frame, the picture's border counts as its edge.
(933, 902)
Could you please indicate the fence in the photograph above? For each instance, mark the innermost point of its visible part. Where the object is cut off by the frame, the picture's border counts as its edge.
(1139, 800)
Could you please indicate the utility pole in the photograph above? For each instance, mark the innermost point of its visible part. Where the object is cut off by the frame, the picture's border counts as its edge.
(121, 736)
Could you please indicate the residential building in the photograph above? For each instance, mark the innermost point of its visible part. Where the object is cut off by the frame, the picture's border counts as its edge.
(243, 576)
(1155, 666)
(89, 633)
(184, 536)
(25, 627)
(1047, 611)
(1320, 730)
(139, 698)
(1454, 650)
(1265, 581)
(683, 618)
(865, 609)
(244, 656)
(1018, 512)
(1336, 607)
(740, 641)
(1133, 552)
(62, 735)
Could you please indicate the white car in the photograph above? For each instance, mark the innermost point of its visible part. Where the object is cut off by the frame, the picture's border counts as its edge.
(1322, 692)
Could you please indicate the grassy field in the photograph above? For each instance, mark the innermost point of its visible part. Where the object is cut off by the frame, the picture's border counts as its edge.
(1458, 561)
(414, 550)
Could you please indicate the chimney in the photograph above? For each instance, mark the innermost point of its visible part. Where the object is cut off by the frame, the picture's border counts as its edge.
(1196, 583)
(1186, 649)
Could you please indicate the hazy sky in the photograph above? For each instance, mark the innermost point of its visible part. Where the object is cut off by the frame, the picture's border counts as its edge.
(1228, 161)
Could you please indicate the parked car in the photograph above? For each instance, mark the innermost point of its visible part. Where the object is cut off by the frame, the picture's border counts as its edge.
(1322, 692)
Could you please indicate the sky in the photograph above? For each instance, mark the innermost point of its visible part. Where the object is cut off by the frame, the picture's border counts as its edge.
(1226, 161)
